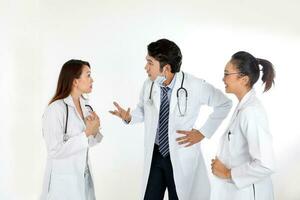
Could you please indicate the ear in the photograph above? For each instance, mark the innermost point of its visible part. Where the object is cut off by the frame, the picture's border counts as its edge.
(168, 68)
(75, 82)
(246, 80)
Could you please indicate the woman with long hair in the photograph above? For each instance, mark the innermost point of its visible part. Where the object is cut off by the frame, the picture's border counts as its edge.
(70, 127)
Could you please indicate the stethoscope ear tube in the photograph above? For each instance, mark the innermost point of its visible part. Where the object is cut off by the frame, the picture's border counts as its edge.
(67, 117)
(182, 88)
(65, 137)
(150, 95)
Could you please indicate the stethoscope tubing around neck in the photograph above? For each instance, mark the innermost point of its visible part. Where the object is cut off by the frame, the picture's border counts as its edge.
(67, 120)
(177, 95)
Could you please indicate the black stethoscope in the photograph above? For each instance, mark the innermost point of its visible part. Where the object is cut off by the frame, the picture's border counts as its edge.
(177, 94)
(66, 137)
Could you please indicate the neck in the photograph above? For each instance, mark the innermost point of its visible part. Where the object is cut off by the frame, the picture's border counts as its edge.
(242, 93)
(170, 77)
(75, 96)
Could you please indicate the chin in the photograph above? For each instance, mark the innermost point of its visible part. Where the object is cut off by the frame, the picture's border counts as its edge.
(227, 90)
(151, 78)
(88, 91)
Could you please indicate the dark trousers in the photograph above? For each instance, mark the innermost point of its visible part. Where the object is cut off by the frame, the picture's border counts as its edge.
(160, 178)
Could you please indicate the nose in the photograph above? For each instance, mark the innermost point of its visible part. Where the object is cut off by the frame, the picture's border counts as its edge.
(92, 80)
(146, 67)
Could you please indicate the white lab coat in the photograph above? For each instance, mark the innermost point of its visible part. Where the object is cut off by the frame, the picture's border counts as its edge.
(190, 174)
(248, 152)
(66, 162)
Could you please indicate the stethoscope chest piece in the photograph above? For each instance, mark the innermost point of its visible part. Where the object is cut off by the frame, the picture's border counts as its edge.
(150, 102)
(66, 137)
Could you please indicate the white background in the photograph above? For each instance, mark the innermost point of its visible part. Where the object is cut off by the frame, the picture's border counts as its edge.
(37, 37)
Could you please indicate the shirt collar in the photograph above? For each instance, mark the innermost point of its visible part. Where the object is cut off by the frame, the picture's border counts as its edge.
(171, 85)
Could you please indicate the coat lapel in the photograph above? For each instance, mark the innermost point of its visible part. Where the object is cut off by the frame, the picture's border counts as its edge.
(241, 105)
(173, 101)
(156, 96)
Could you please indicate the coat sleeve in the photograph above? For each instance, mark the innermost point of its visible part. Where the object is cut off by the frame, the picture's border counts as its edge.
(254, 127)
(53, 131)
(221, 105)
(137, 115)
(94, 140)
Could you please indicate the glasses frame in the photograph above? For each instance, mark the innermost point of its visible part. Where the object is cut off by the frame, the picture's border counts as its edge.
(227, 74)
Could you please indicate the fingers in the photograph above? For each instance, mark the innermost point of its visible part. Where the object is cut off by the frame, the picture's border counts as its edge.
(217, 164)
(214, 170)
(92, 116)
(88, 118)
(213, 161)
(190, 144)
(126, 114)
(184, 141)
(115, 112)
(120, 112)
(112, 112)
(117, 106)
(183, 132)
(181, 138)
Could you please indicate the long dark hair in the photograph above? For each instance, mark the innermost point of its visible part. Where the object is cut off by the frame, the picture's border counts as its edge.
(71, 70)
(248, 65)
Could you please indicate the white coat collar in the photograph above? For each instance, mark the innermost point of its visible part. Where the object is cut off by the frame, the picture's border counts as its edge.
(177, 84)
(69, 101)
(174, 85)
(246, 98)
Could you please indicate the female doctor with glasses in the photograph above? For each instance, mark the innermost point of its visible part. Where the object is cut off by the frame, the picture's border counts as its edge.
(245, 161)
(70, 127)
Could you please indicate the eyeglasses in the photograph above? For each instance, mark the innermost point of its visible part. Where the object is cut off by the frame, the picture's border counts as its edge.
(227, 74)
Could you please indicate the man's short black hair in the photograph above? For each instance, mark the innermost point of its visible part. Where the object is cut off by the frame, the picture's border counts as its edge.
(166, 52)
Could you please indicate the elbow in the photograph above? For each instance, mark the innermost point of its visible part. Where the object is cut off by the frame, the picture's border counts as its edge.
(272, 169)
(268, 169)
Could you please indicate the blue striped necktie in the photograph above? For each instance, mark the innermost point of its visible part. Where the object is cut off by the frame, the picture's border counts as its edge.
(163, 122)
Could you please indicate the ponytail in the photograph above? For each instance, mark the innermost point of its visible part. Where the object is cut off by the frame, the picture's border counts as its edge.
(268, 73)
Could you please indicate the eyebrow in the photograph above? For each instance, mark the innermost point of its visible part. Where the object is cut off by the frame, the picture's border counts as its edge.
(149, 60)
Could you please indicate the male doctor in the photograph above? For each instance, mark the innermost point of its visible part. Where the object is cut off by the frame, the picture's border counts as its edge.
(169, 105)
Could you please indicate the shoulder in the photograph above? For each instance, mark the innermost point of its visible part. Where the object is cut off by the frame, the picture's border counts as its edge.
(192, 78)
(55, 108)
(194, 82)
(253, 110)
(147, 84)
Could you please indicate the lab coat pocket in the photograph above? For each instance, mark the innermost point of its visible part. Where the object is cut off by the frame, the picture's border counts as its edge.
(63, 187)
(189, 158)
